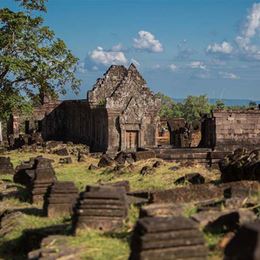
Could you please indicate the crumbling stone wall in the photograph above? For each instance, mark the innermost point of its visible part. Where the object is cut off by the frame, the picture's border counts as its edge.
(228, 130)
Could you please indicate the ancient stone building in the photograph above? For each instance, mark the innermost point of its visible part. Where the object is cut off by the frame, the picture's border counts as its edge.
(119, 114)
(230, 129)
(28, 124)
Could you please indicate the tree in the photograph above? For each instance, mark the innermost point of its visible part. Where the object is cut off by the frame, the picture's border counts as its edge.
(252, 104)
(32, 59)
(219, 104)
(194, 107)
(169, 108)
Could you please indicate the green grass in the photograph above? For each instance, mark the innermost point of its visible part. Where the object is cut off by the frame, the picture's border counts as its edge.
(95, 245)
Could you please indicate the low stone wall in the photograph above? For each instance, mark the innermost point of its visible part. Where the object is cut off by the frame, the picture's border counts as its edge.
(231, 129)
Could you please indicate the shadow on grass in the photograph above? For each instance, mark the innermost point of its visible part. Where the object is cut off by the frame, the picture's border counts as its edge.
(18, 248)
(125, 235)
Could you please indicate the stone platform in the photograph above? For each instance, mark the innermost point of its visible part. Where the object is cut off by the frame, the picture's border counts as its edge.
(103, 208)
(167, 239)
(60, 199)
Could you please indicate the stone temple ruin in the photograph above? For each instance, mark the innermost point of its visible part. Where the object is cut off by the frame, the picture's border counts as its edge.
(120, 113)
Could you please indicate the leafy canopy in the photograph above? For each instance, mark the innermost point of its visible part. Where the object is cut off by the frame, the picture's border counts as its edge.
(32, 59)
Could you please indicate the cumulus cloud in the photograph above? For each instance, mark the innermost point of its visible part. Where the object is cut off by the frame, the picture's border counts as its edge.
(106, 57)
(173, 67)
(251, 27)
(228, 75)
(147, 41)
(253, 22)
(220, 48)
(197, 65)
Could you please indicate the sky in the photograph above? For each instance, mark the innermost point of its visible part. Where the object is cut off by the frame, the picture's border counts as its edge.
(181, 47)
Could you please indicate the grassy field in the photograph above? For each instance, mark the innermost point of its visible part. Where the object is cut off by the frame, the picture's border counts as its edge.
(95, 245)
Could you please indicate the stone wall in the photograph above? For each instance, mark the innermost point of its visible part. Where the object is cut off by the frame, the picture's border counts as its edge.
(227, 130)
(75, 121)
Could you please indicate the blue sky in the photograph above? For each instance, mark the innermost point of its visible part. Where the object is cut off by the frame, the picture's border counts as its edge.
(182, 47)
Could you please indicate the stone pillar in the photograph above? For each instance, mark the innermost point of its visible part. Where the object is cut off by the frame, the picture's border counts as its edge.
(113, 141)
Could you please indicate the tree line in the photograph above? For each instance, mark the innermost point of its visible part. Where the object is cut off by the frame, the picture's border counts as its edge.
(193, 107)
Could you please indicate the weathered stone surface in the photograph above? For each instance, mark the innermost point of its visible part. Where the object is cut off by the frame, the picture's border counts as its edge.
(231, 129)
(193, 178)
(223, 221)
(162, 210)
(157, 164)
(144, 155)
(245, 244)
(37, 175)
(103, 208)
(191, 193)
(138, 197)
(8, 221)
(60, 199)
(240, 165)
(56, 247)
(167, 238)
(61, 152)
(105, 161)
(240, 189)
(6, 167)
(65, 160)
(146, 170)
(93, 167)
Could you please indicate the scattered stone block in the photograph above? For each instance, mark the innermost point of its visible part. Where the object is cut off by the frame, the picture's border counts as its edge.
(105, 161)
(103, 208)
(240, 165)
(193, 178)
(157, 164)
(245, 244)
(223, 221)
(93, 167)
(162, 210)
(37, 179)
(65, 160)
(144, 155)
(146, 170)
(56, 247)
(241, 189)
(191, 193)
(61, 151)
(6, 167)
(138, 197)
(60, 199)
(167, 238)
(9, 221)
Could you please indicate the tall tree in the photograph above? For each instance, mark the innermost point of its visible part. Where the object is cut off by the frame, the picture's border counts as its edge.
(32, 59)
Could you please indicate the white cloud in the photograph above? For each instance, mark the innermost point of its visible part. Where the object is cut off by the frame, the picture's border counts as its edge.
(197, 65)
(253, 22)
(222, 48)
(147, 41)
(227, 75)
(173, 67)
(251, 27)
(117, 47)
(106, 57)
